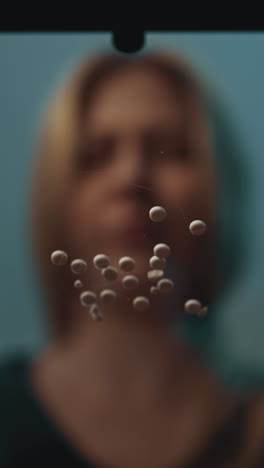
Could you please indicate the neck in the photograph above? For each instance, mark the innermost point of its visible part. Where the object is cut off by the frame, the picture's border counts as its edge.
(122, 329)
(135, 348)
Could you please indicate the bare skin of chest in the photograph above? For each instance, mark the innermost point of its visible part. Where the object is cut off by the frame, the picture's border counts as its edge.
(135, 430)
(135, 438)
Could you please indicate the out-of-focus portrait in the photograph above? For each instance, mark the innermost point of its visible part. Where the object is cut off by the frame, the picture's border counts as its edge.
(131, 325)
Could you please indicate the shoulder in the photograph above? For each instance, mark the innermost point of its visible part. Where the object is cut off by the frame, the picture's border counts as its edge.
(252, 443)
(239, 442)
(12, 389)
(13, 360)
(256, 425)
(12, 371)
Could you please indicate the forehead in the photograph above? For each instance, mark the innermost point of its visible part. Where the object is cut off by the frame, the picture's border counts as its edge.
(135, 99)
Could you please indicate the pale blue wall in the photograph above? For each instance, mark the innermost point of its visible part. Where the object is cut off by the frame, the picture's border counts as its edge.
(30, 66)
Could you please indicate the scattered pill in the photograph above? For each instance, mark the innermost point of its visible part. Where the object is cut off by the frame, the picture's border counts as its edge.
(197, 227)
(78, 284)
(127, 263)
(130, 281)
(141, 303)
(87, 298)
(59, 257)
(154, 290)
(96, 313)
(161, 250)
(101, 261)
(108, 296)
(110, 273)
(78, 266)
(165, 285)
(157, 263)
(157, 214)
(155, 275)
(192, 306)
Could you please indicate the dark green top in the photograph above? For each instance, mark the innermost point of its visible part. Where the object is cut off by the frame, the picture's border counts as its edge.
(28, 438)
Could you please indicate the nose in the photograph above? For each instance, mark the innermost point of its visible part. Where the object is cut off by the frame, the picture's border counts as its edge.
(133, 173)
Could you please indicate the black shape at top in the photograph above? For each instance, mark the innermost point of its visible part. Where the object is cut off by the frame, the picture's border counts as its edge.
(128, 41)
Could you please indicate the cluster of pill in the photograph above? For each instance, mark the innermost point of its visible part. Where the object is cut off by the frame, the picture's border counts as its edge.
(157, 264)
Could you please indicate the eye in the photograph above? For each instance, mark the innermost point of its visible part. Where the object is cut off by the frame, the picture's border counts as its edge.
(175, 150)
(167, 146)
(94, 155)
(168, 151)
(89, 160)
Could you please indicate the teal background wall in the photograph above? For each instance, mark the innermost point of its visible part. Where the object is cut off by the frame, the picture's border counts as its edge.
(31, 65)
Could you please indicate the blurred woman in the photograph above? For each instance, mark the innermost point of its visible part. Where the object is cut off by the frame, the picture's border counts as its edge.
(123, 135)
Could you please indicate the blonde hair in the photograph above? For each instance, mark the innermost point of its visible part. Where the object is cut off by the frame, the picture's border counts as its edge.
(53, 171)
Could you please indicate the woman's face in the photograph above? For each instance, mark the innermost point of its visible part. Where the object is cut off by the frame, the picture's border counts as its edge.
(136, 153)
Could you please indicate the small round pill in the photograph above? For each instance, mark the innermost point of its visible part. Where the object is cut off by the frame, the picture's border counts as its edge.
(78, 284)
(101, 261)
(87, 298)
(130, 281)
(197, 227)
(155, 275)
(157, 263)
(96, 313)
(141, 303)
(108, 296)
(165, 285)
(110, 273)
(161, 250)
(192, 306)
(154, 290)
(157, 214)
(59, 257)
(127, 263)
(78, 266)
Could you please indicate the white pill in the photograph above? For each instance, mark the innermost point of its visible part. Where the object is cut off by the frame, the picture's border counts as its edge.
(108, 296)
(130, 281)
(141, 303)
(59, 257)
(87, 298)
(78, 284)
(165, 285)
(157, 214)
(96, 313)
(101, 261)
(161, 250)
(154, 290)
(197, 227)
(78, 266)
(155, 275)
(157, 263)
(192, 306)
(126, 263)
(110, 273)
